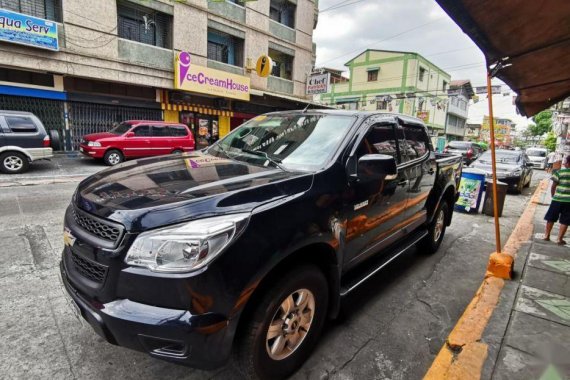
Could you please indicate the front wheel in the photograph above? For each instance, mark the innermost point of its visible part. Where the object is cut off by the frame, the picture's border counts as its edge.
(436, 230)
(284, 326)
(113, 157)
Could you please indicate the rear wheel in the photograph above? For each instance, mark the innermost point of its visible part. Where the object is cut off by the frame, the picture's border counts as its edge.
(113, 157)
(55, 143)
(13, 163)
(284, 326)
(436, 230)
(177, 151)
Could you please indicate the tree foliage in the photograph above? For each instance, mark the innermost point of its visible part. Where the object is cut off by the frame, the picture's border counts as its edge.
(542, 123)
(550, 141)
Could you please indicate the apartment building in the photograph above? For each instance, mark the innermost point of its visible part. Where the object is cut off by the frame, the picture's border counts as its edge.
(395, 81)
(88, 64)
(460, 92)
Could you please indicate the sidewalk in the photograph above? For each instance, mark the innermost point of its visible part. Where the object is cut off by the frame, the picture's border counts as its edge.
(529, 332)
(63, 167)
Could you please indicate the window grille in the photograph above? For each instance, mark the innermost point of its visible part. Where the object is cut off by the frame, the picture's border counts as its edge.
(46, 9)
(282, 64)
(283, 12)
(144, 25)
(372, 75)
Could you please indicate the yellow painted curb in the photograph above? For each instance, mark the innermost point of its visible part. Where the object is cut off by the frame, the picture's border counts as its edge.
(463, 355)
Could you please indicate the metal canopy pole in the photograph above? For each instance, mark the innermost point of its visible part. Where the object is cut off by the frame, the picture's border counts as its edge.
(493, 163)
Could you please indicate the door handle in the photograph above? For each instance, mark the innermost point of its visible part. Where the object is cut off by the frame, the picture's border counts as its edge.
(403, 182)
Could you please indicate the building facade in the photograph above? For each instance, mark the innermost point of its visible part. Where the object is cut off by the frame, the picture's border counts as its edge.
(116, 60)
(504, 131)
(394, 81)
(460, 92)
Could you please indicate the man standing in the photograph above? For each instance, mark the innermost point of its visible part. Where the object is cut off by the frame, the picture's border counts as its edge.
(559, 209)
(550, 161)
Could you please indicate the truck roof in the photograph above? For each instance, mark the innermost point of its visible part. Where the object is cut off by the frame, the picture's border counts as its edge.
(389, 115)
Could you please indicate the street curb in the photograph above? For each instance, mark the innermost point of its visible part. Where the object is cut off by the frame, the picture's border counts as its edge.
(463, 355)
(30, 181)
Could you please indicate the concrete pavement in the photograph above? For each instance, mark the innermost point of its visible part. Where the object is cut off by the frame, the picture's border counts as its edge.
(392, 327)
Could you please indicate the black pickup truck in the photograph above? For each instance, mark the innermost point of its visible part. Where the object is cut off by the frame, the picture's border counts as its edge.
(244, 249)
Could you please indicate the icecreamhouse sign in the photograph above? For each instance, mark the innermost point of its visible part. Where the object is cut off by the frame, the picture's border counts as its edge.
(27, 30)
(190, 77)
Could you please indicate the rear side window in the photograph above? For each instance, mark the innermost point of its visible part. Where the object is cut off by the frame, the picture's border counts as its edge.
(159, 131)
(142, 131)
(177, 131)
(20, 124)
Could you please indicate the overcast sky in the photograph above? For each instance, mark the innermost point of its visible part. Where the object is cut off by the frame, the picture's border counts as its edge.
(407, 25)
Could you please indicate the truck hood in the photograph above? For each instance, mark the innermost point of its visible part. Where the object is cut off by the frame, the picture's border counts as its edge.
(158, 191)
(501, 167)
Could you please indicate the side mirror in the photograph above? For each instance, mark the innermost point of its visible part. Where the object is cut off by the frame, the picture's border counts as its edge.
(130, 134)
(376, 166)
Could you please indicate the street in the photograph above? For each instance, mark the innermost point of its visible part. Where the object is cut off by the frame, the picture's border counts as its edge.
(391, 327)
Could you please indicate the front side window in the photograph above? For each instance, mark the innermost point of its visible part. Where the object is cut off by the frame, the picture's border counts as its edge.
(21, 124)
(121, 128)
(379, 140)
(300, 142)
(144, 25)
(282, 64)
(142, 131)
(225, 48)
(46, 9)
(416, 141)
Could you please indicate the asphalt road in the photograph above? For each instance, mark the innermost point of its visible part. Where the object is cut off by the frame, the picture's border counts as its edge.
(392, 326)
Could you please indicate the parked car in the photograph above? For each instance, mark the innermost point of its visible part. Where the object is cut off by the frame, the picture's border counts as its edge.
(23, 140)
(138, 138)
(469, 151)
(247, 247)
(537, 157)
(513, 168)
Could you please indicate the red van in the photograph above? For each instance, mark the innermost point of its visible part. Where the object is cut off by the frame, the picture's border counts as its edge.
(138, 138)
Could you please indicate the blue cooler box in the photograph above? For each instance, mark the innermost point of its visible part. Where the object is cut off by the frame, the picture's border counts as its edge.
(471, 190)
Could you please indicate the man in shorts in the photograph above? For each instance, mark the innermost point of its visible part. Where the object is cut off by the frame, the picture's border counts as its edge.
(559, 209)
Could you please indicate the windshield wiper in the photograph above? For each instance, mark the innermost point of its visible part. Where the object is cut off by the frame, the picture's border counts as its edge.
(273, 160)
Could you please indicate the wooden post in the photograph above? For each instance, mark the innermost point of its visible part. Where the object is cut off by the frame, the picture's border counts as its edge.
(493, 163)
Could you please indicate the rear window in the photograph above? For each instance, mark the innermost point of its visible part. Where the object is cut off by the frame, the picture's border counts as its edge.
(460, 144)
(20, 124)
(177, 130)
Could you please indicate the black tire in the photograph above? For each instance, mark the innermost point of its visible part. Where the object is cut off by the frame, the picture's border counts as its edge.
(177, 151)
(520, 186)
(430, 244)
(14, 163)
(251, 356)
(529, 181)
(55, 142)
(113, 157)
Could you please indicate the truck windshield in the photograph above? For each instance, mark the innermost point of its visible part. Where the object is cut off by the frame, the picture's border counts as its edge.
(536, 152)
(121, 128)
(298, 141)
(502, 156)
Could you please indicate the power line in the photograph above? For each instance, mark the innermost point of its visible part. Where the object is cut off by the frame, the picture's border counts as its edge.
(340, 5)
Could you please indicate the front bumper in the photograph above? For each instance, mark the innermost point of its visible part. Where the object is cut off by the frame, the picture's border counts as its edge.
(200, 341)
(92, 151)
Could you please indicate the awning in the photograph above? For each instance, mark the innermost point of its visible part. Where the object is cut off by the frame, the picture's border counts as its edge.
(281, 96)
(529, 40)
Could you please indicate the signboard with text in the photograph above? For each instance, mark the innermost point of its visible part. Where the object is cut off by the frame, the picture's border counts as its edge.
(318, 84)
(26, 30)
(190, 77)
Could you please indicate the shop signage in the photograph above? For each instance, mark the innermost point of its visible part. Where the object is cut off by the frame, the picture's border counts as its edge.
(483, 90)
(423, 115)
(318, 84)
(27, 30)
(190, 77)
(264, 66)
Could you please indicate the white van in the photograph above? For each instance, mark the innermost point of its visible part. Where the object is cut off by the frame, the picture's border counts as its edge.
(537, 157)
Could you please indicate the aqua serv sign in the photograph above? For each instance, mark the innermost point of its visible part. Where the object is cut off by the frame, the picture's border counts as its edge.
(27, 30)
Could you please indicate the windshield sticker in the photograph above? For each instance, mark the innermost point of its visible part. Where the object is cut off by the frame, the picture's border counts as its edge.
(250, 139)
(360, 205)
(260, 118)
(204, 161)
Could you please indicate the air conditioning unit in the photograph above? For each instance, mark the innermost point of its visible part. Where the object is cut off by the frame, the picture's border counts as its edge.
(249, 64)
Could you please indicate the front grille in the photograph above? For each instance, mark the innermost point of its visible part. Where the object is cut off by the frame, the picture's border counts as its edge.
(89, 269)
(97, 227)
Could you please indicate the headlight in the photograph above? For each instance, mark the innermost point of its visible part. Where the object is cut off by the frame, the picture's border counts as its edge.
(185, 247)
(93, 143)
(515, 173)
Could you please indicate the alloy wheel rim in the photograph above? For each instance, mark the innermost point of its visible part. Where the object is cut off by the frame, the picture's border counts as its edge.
(439, 224)
(114, 158)
(290, 324)
(13, 163)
